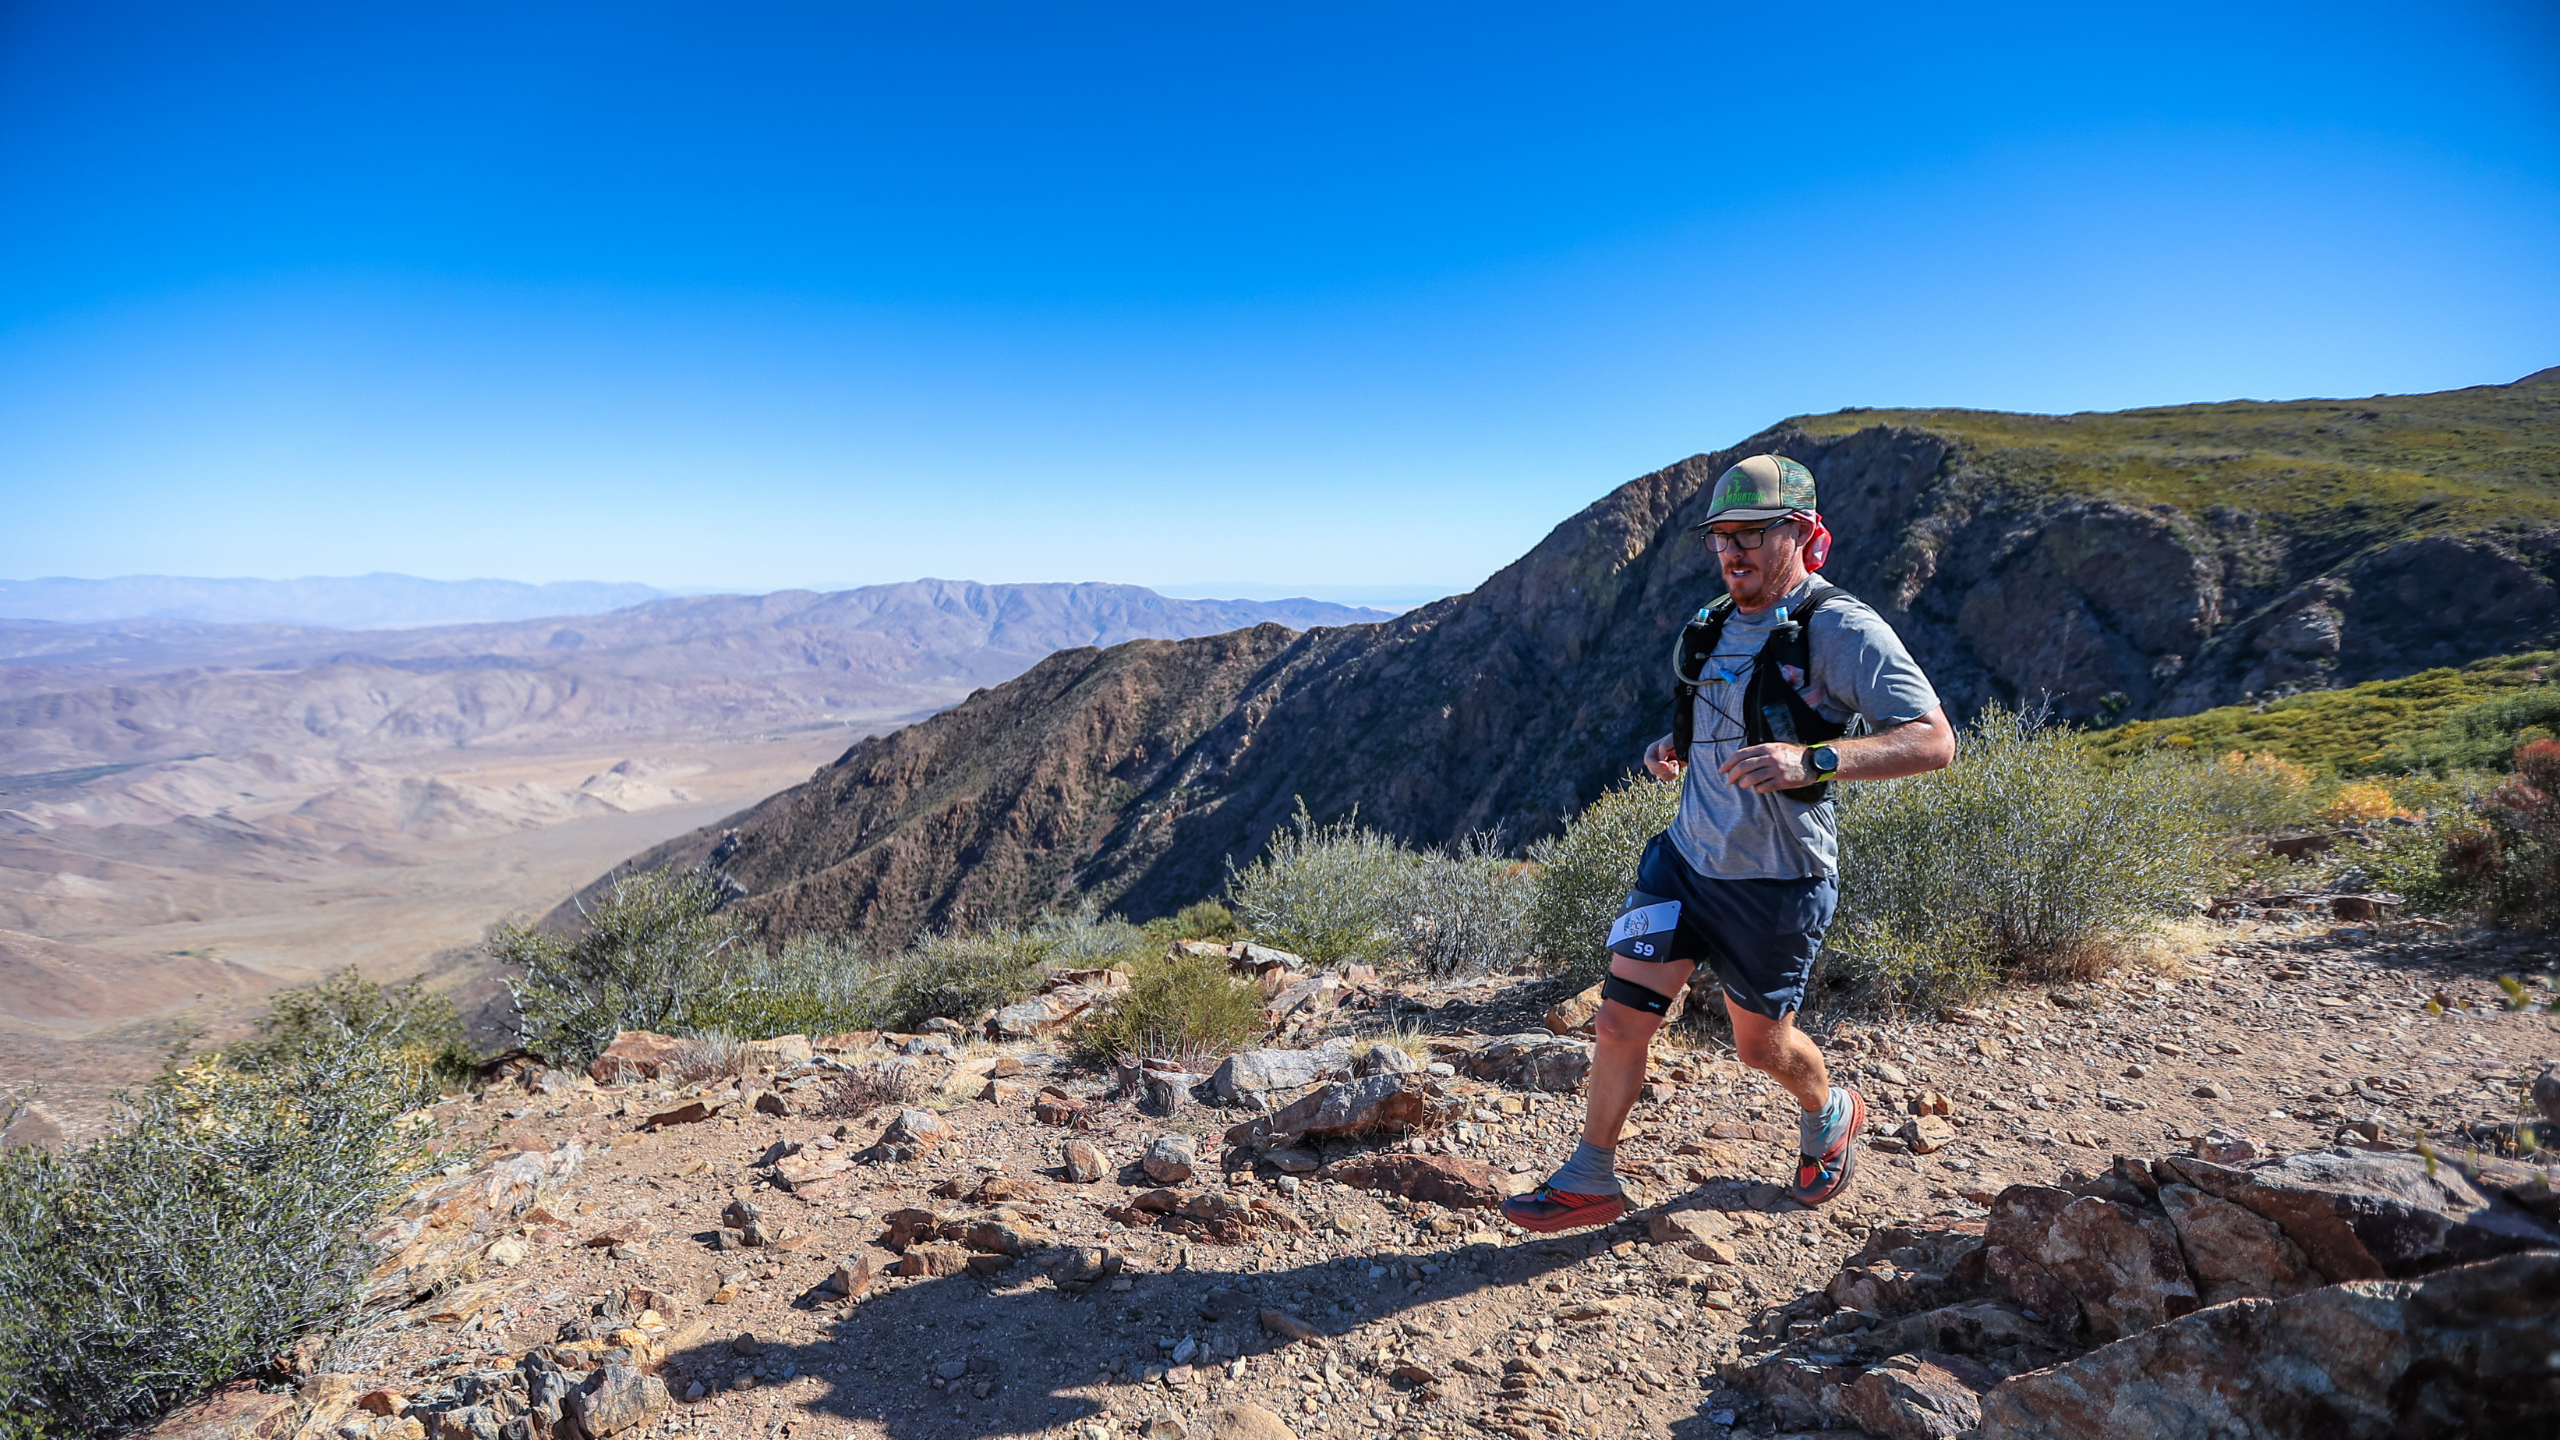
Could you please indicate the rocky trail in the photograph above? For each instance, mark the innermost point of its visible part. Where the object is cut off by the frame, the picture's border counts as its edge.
(947, 1237)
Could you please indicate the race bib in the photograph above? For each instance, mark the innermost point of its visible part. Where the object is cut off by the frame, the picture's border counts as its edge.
(1643, 930)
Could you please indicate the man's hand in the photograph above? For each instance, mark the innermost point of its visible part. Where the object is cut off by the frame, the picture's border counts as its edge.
(1660, 763)
(1769, 768)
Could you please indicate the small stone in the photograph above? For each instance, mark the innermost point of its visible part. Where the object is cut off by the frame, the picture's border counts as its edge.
(616, 1398)
(1170, 1160)
(932, 1261)
(769, 1103)
(1927, 1133)
(1084, 1161)
(1891, 1074)
(921, 1129)
(2213, 1090)
(1289, 1327)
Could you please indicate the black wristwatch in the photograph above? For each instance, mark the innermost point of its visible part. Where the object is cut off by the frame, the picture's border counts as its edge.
(1825, 762)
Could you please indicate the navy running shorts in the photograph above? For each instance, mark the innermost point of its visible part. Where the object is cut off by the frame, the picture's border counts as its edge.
(1762, 936)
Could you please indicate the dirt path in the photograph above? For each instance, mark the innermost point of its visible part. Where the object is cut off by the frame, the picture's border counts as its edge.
(1425, 1319)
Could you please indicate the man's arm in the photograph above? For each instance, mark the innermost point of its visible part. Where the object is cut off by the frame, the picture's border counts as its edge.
(1911, 748)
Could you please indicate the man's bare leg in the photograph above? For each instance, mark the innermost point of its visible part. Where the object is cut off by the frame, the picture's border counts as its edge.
(1777, 1049)
(1828, 1125)
(1622, 1038)
(1585, 1191)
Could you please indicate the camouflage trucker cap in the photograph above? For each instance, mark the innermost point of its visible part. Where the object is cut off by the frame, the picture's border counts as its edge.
(1762, 487)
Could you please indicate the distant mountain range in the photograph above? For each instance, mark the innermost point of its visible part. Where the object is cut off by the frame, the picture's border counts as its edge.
(2144, 563)
(77, 695)
(353, 602)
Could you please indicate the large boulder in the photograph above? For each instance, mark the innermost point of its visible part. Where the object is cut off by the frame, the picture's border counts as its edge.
(2465, 1351)
(1252, 1077)
(1918, 1397)
(1353, 1107)
(2234, 1252)
(2367, 1215)
(1533, 1060)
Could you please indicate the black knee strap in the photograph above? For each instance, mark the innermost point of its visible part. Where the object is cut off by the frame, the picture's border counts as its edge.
(1634, 996)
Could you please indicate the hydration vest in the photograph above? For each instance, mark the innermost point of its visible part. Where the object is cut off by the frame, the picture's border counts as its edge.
(1771, 708)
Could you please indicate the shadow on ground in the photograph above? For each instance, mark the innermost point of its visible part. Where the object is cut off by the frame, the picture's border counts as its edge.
(914, 1359)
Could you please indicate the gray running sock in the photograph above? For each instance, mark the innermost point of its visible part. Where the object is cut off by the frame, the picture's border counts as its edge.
(1591, 1171)
(1819, 1130)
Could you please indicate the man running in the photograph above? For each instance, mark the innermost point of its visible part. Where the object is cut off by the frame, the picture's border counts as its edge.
(1746, 878)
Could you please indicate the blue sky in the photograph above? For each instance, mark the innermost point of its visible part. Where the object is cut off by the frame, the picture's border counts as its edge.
(1356, 301)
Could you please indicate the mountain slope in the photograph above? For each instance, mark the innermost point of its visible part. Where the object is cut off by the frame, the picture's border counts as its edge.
(2152, 562)
(74, 696)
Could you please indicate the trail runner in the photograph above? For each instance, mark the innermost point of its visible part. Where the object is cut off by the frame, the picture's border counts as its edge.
(1747, 876)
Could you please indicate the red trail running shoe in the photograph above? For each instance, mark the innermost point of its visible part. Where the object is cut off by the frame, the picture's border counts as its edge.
(1822, 1177)
(1547, 1210)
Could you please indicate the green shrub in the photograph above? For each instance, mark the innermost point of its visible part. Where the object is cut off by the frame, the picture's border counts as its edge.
(2256, 794)
(420, 1028)
(1583, 875)
(219, 1221)
(655, 948)
(1206, 920)
(1183, 1008)
(811, 985)
(2026, 856)
(1464, 913)
(1327, 892)
(963, 976)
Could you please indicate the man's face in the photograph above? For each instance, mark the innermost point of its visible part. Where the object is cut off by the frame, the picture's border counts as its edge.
(1755, 576)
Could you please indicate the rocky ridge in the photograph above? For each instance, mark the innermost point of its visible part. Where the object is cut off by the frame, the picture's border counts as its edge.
(951, 1235)
(2020, 557)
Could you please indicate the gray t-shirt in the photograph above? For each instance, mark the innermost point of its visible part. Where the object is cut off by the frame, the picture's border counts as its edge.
(1860, 667)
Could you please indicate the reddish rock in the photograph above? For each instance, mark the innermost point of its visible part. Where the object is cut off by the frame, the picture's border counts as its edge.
(2235, 1252)
(1440, 1179)
(905, 1227)
(1289, 1327)
(1574, 1014)
(932, 1260)
(2465, 1351)
(1381, 1102)
(687, 1114)
(854, 1278)
(1918, 1397)
(2122, 1264)
(638, 1055)
(2364, 1215)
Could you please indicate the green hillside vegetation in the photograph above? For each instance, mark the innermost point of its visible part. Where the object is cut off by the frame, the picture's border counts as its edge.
(2343, 470)
(2435, 722)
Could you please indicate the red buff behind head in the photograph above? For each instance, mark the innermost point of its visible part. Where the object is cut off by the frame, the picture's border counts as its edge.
(1817, 546)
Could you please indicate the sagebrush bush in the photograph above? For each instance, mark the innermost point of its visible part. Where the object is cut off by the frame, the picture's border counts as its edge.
(2027, 856)
(810, 985)
(655, 948)
(2246, 793)
(1327, 892)
(1202, 920)
(963, 976)
(1185, 1009)
(1464, 912)
(420, 1028)
(216, 1223)
(1583, 875)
